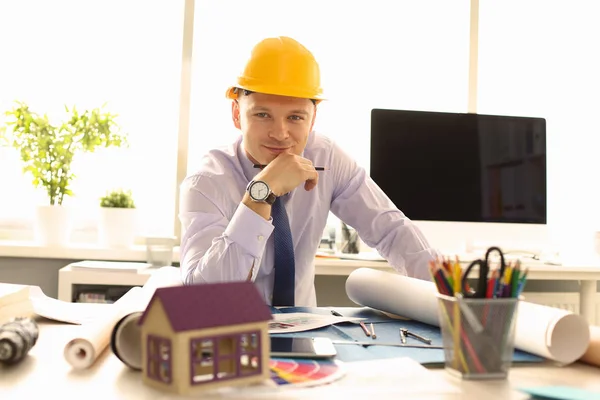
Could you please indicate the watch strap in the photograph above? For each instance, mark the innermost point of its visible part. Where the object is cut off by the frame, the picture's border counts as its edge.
(271, 199)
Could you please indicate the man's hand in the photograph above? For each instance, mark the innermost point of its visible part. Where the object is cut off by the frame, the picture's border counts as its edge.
(287, 171)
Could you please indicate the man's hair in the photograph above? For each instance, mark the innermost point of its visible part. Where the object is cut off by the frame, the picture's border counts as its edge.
(248, 93)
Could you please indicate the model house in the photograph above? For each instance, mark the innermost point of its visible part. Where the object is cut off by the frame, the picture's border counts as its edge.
(199, 337)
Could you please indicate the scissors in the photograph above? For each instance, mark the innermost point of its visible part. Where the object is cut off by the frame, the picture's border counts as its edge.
(484, 268)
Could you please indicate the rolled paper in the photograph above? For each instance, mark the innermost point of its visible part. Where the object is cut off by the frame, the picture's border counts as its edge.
(91, 339)
(549, 332)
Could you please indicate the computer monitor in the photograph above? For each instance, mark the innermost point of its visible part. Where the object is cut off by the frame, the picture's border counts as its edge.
(454, 172)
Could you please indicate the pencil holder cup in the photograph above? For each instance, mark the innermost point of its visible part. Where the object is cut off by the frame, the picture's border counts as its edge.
(478, 335)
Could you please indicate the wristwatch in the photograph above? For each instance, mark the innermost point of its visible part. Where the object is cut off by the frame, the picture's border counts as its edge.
(260, 192)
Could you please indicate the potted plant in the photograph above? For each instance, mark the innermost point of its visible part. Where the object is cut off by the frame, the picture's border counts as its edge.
(47, 151)
(118, 219)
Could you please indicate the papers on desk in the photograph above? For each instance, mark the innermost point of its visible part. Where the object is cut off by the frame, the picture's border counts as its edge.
(300, 322)
(108, 266)
(27, 301)
(561, 393)
(380, 378)
(62, 311)
(364, 256)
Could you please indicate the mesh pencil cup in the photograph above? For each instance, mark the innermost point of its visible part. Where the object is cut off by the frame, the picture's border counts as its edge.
(478, 335)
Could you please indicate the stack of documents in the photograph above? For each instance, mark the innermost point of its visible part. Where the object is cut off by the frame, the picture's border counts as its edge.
(108, 266)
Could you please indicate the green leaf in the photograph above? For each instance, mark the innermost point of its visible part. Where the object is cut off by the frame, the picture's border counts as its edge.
(47, 151)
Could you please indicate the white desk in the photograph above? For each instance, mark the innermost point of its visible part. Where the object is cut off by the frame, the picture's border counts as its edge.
(67, 278)
(587, 275)
(45, 373)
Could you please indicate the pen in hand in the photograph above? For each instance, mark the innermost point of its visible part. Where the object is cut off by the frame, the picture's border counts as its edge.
(316, 168)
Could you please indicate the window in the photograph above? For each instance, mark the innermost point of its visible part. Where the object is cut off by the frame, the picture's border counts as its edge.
(203, 360)
(159, 359)
(383, 53)
(126, 54)
(250, 353)
(543, 66)
(225, 357)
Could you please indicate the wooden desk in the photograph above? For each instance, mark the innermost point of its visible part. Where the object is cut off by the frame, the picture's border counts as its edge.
(45, 373)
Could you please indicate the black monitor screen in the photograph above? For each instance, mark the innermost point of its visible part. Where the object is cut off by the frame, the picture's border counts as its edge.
(461, 167)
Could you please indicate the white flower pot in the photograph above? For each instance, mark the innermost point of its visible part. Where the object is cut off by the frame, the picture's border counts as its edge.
(117, 227)
(53, 225)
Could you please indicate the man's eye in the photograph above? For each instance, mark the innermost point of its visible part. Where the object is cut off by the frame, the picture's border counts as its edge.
(262, 115)
(296, 117)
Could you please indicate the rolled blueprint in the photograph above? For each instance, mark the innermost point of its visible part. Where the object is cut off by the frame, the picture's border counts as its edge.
(90, 339)
(549, 332)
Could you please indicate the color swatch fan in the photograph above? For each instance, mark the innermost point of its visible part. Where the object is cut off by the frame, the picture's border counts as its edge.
(305, 372)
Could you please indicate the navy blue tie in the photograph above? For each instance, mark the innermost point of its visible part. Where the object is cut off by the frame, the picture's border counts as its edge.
(285, 269)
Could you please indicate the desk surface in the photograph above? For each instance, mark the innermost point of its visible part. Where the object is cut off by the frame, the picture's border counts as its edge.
(45, 367)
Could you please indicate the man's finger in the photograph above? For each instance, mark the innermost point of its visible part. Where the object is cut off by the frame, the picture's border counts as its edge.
(310, 185)
(312, 180)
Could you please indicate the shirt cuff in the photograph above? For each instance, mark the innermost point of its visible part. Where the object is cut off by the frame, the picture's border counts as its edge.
(249, 230)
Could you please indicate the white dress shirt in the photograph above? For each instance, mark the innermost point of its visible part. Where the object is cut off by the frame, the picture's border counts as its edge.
(223, 238)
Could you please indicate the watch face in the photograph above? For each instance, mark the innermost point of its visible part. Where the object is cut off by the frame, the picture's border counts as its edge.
(259, 190)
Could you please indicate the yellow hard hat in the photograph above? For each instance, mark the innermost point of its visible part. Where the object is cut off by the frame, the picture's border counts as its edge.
(280, 66)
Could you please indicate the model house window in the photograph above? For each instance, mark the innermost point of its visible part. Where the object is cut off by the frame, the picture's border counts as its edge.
(202, 360)
(159, 359)
(225, 357)
(250, 353)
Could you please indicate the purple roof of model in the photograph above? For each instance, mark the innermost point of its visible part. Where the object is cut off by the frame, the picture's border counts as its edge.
(209, 305)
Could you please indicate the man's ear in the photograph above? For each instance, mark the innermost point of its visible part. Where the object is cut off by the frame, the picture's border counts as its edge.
(235, 114)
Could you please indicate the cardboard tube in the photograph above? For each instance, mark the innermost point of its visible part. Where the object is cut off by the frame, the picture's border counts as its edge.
(83, 350)
(126, 340)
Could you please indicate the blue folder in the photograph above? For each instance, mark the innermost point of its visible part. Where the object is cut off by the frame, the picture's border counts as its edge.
(387, 330)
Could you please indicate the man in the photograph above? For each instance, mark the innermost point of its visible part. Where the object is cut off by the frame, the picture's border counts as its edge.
(257, 209)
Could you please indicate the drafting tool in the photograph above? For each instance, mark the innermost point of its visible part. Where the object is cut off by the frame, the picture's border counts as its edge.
(403, 335)
(406, 332)
(366, 344)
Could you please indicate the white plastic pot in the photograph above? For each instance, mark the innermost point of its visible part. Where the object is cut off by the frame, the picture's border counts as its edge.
(117, 227)
(53, 225)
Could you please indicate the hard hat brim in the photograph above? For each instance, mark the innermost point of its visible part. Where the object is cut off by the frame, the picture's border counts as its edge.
(231, 93)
